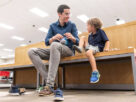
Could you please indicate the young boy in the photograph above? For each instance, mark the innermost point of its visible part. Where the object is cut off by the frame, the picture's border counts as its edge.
(97, 42)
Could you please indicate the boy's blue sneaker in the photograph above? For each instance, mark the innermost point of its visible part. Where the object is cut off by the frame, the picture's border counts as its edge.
(95, 77)
(58, 95)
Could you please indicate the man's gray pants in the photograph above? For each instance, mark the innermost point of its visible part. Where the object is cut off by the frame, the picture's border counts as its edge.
(54, 54)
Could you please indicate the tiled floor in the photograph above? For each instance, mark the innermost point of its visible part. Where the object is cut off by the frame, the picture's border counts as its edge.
(72, 96)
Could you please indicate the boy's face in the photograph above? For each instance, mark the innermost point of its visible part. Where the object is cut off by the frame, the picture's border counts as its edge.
(90, 28)
(64, 16)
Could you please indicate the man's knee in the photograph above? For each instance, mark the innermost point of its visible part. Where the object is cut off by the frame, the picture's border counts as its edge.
(55, 45)
(31, 51)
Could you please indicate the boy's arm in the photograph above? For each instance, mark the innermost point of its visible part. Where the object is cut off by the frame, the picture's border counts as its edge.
(107, 46)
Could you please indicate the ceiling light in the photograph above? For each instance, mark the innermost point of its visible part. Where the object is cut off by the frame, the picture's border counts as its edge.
(6, 26)
(11, 56)
(23, 45)
(83, 18)
(38, 12)
(9, 50)
(43, 29)
(17, 38)
(1, 44)
(119, 21)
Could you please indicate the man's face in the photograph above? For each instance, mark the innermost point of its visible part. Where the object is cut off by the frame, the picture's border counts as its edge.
(65, 15)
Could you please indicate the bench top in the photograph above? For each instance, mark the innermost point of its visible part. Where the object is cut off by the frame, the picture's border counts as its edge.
(76, 58)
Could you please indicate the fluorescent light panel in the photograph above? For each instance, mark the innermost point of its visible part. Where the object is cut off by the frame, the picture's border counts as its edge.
(120, 22)
(38, 12)
(23, 45)
(43, 29)
(6, 26)
(83, 18)
(9, 50)
(17, 38)
(1, 44)
(11, 56)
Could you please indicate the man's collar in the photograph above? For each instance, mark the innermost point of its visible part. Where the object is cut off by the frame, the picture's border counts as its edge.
(58, 23)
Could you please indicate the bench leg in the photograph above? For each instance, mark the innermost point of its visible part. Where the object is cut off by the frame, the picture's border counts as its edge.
(134, 70)
(38, 80)
(63, 77)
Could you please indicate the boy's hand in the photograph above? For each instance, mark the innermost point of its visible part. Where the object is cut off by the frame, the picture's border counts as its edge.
(107, 46)
(106, 49)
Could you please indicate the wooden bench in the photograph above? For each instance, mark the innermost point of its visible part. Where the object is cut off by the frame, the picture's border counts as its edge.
(81, 58)
(23, 62)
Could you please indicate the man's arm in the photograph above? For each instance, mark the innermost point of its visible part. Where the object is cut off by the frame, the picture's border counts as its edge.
(56, 37)
(74, 35)
(51, 37)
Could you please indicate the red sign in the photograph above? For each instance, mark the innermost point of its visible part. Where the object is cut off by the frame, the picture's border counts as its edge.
(4, 73)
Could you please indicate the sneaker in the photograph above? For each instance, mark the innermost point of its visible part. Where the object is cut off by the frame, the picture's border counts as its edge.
(40, 88)
(14, 90)
(78, 49)
(47, 91)
(58, 95)
(22, 90)
(95, 77)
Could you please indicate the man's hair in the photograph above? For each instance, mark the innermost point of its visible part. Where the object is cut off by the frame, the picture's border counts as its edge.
(62, 7)
(95, 22)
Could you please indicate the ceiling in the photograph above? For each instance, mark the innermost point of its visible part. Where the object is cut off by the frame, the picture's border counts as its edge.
(17, 14)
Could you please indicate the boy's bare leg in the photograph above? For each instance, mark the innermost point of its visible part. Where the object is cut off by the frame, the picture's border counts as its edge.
(95, 73)
(82, 42)
(81, 45)
(91, 58)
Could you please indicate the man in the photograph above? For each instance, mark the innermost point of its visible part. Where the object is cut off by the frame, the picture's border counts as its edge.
(61, 37)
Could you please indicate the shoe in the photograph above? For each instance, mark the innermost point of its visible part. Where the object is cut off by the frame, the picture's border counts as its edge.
(22, 90)
(58, 95)
(40, 88)
(78, 49)
(14, 90)
(95, 77)
(47, 91)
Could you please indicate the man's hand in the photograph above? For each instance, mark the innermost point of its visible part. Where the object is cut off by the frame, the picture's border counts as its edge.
(70, 36)
(56, 37)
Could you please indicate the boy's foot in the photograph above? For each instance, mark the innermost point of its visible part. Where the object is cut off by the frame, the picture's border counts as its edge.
(59, 95)
(95, 77)
(47, 91)
(78, 49)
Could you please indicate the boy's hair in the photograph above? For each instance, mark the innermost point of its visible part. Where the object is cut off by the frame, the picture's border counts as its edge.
(95, 22)
(62, 7)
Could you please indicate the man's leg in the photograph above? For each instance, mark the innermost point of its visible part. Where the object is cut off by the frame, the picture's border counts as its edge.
(37, 55)
(57, 51)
